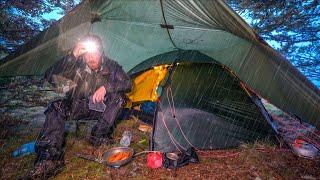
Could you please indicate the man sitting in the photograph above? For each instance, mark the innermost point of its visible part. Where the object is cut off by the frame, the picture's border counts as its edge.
(96, 77)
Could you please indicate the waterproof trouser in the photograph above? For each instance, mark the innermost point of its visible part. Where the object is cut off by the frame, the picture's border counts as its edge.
(50, 143)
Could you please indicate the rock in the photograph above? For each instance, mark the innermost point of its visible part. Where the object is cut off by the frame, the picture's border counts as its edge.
(16, 103)
(308, 177)
(32, 114)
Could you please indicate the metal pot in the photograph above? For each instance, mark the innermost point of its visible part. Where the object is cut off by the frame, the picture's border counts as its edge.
(115, 150)
(109, 153)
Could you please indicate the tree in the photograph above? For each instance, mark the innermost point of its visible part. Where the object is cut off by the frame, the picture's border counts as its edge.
(21, 20)
(291, 26)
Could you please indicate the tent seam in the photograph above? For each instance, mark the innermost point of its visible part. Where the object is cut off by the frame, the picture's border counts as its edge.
(165, 21)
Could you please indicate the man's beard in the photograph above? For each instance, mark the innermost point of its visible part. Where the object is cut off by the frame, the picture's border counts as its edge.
(93, 65)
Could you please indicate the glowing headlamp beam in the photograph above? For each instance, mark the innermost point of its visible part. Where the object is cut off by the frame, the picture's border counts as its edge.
(90, 46)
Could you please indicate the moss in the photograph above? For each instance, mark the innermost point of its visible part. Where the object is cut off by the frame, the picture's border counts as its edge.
(259, 159)
(15, 167)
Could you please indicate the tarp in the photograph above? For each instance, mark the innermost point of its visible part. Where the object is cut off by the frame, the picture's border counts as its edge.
(136, 30)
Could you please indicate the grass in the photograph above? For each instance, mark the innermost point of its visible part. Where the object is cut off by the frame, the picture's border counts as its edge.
(260, 159)
(13, 167)
(263, 159)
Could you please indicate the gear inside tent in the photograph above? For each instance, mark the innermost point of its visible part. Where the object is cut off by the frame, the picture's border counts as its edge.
(214, 112)
(146, 85)
(207, 55)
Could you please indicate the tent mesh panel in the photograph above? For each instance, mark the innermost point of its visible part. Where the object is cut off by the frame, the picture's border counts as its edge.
(212, 109)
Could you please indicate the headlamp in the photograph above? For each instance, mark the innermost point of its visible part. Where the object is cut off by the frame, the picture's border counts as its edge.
(91, 46)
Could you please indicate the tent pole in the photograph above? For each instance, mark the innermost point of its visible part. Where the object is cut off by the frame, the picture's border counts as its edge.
(168, 81)
(166, 26)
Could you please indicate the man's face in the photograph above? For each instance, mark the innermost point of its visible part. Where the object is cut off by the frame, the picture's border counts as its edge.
(93, 59)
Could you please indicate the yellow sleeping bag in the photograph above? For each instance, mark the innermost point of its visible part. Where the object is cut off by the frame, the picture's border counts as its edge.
(145, 85)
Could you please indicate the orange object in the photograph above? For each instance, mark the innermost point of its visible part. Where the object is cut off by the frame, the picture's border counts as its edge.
(154, 160)
(145, 128)
(118, 157)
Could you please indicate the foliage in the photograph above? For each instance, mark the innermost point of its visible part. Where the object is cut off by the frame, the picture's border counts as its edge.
(21, 20)
(292, 27)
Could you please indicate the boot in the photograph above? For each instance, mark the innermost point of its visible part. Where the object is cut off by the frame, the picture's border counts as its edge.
(101, 136)
(49, 162)
(45, 169)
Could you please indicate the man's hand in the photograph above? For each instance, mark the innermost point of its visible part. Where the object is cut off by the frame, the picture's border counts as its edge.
(79, 50)
(98, 96)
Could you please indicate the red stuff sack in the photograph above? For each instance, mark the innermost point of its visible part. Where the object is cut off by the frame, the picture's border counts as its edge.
(154, 160)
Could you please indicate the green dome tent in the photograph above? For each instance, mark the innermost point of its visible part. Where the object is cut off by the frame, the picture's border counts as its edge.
(206, 37)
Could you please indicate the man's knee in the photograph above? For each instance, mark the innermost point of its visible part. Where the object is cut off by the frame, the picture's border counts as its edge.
(116, 100)
(59, 106)
(114, 106)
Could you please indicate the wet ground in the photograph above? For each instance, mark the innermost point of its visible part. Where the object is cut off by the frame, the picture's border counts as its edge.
(23, 102)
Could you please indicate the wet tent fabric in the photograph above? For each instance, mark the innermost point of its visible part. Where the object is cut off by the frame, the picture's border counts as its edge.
(213, 112)
(136, 30)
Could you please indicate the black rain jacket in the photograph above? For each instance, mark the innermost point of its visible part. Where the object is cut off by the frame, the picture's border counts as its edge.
(86, 81)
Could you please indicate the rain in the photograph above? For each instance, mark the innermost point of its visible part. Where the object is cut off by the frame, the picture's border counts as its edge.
(187, 79)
